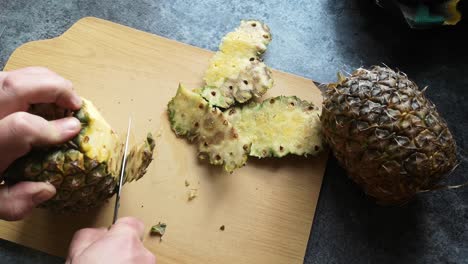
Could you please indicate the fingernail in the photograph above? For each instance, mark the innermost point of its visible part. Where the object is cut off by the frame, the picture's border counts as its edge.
(42, 196)
(70, 124)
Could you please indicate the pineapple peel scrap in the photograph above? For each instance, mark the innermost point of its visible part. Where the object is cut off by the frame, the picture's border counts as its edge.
(236, 72)
(159, 229)
(192, 117)
(273, 128)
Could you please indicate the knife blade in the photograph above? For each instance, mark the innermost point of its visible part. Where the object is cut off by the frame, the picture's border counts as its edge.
(122, 173)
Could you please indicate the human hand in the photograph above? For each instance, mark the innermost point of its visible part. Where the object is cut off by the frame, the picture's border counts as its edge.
(21, 131)
(120, 244)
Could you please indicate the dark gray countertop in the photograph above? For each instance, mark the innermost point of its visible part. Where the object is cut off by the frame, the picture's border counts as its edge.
(314, 39)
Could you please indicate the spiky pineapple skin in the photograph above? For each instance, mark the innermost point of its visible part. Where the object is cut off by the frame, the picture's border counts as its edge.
(386, 134)
(85, 170)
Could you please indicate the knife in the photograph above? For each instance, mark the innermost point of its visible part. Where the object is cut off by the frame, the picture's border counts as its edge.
(122, 173)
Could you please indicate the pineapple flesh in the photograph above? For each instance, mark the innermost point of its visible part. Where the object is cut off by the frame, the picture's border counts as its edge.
(236, 72)
(85, 170)
(386, 134)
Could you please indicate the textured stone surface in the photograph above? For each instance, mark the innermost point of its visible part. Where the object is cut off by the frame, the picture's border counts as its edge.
(314, 39)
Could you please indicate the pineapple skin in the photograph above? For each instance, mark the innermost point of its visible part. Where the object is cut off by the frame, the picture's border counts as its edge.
(236, 72)
(218, 141)
(386, 134)
(276, 127)
(84, 171)
(221, 142)
(139, 158)
(250, 39)
(279, 126)
(185, 110)
(238, 80)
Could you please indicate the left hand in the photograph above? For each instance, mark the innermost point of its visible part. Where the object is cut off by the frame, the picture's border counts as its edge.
(21, 131)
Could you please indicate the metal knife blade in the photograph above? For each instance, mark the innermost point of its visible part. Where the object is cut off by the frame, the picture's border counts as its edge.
(122, 173)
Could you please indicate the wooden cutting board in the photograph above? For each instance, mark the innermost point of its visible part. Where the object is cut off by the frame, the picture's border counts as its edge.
(267, 207)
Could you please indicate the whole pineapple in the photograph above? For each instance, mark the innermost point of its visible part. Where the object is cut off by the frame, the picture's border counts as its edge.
(386, 134)
(84, 171)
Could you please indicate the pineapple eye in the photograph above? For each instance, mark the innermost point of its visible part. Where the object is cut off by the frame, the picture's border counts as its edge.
(213, 93)
(246, 82)
(252, 59)
(254, 24)
(230, 87)
(265, 36)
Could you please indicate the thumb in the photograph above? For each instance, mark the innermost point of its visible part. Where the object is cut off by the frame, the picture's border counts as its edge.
(21, 131)
(18, 200)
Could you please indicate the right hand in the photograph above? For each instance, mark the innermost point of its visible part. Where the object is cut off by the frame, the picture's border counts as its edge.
(122, 243)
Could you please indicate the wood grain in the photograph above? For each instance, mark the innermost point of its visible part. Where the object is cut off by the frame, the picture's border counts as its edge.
(267, 207)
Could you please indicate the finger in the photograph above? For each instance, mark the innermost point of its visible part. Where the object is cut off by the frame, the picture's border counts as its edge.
(21, 88)
(21, 131)
(83, 239)
(128, 226)
(149, 257)
(18, 200)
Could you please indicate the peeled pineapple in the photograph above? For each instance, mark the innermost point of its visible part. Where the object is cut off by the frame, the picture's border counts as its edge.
(236, 72)
(84, 171)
